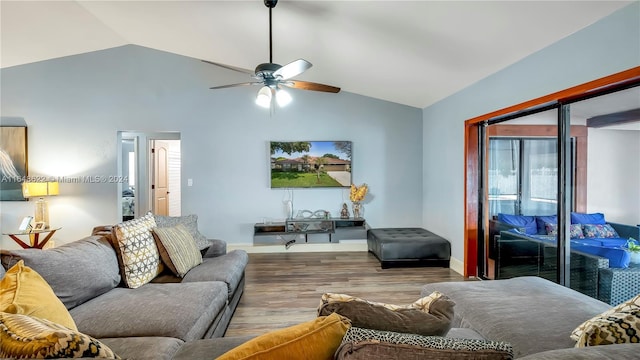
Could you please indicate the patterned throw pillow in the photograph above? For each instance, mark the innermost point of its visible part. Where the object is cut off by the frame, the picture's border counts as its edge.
(430, 315)
(177, 249)
(620, 324)
(23, 337)
(370, 344)
(599, 231)
(575, 230)
(138, 254)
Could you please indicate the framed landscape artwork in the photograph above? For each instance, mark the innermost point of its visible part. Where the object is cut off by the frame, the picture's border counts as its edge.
(310, 164)
(13, 161)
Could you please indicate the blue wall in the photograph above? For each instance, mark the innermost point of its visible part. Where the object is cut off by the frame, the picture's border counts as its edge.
(608, 46)
(74, 107)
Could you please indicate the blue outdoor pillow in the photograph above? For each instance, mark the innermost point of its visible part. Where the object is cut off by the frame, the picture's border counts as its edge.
(521, 221)
(582, 218)
(541, 222)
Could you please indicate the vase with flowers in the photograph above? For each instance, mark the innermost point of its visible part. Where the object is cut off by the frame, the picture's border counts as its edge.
(357, 195)
(634, 251)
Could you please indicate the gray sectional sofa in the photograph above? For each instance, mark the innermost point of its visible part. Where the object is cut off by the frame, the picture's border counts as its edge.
(534, 315)
(151, 322)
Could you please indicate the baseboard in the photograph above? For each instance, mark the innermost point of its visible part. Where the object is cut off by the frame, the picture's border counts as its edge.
(329, 247)
(456, 265)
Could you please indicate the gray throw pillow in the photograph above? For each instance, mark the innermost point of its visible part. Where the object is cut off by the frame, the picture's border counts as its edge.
(190, 222)
(367, 344)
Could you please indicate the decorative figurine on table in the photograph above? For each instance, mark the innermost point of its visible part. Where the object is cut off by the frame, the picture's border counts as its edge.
(344, 213)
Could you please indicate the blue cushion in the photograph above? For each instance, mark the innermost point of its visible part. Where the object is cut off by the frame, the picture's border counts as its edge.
(542, 220)
(614, 242)
(582, 218)
(618, 258)
(523, 221)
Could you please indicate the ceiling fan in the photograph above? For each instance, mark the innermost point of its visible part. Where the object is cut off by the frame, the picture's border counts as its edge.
(274, 76)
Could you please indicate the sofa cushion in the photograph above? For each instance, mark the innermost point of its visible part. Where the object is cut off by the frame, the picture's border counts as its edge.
(368, 344)
(138, 254)
(520, 309)
(430, 315)
(177, 249)
(620, 324)
(228, 268)
(190, 222)
(180, 310)
(144, 348)
(583, 218)
(602, 231)
(76, 271)
(25, 292)
(207, 349)
(23, 336)
(520, 221)
(315, 339)
(609, 352)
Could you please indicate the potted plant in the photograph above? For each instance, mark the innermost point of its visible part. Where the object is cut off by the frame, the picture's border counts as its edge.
(634, 250)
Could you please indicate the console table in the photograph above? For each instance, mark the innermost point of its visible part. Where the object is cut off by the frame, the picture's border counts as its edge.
(300, 231)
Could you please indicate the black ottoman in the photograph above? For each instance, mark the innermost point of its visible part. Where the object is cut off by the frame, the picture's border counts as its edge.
(404, 246)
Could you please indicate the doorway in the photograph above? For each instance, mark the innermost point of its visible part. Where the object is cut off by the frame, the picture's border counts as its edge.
(151, 165)
(165, 184)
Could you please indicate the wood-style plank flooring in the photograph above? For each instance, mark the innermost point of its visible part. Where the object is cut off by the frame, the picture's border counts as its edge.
(284, 289)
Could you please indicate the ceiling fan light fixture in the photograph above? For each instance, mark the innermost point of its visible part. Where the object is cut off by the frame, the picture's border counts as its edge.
(264, 97)
(282, 97)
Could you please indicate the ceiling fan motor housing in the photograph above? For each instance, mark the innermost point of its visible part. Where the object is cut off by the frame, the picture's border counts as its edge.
(265, 70)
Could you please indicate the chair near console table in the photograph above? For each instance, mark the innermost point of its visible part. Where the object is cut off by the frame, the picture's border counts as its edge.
(33, 236)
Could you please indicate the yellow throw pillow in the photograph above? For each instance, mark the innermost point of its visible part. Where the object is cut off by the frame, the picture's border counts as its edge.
(26, 337)
(25, 292)
(313, 340)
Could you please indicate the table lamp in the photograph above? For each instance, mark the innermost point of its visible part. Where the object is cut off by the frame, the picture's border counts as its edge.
(40, 190)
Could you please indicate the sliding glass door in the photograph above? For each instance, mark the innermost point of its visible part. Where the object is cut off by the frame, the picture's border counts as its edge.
(544, 172)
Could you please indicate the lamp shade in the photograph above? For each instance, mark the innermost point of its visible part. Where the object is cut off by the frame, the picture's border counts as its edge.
(264, 97)
(282, 97)
(33, 189)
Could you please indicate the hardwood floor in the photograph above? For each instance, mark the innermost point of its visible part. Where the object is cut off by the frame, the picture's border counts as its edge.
(284, 289)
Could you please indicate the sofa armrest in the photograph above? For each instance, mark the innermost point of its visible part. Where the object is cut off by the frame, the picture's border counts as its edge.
(626, 231)
(218, 247)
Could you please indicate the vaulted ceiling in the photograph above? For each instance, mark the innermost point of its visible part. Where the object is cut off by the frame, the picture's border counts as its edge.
(409, 52)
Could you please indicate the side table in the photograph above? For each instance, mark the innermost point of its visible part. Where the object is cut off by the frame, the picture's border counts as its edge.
(34, 237)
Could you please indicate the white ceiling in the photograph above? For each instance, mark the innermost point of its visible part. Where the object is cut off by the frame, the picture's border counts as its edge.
(409, 52)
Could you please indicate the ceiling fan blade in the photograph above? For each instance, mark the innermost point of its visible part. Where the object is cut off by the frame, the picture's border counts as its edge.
(244, 71)
(292, 69)
(306, 85)
(234, 85)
